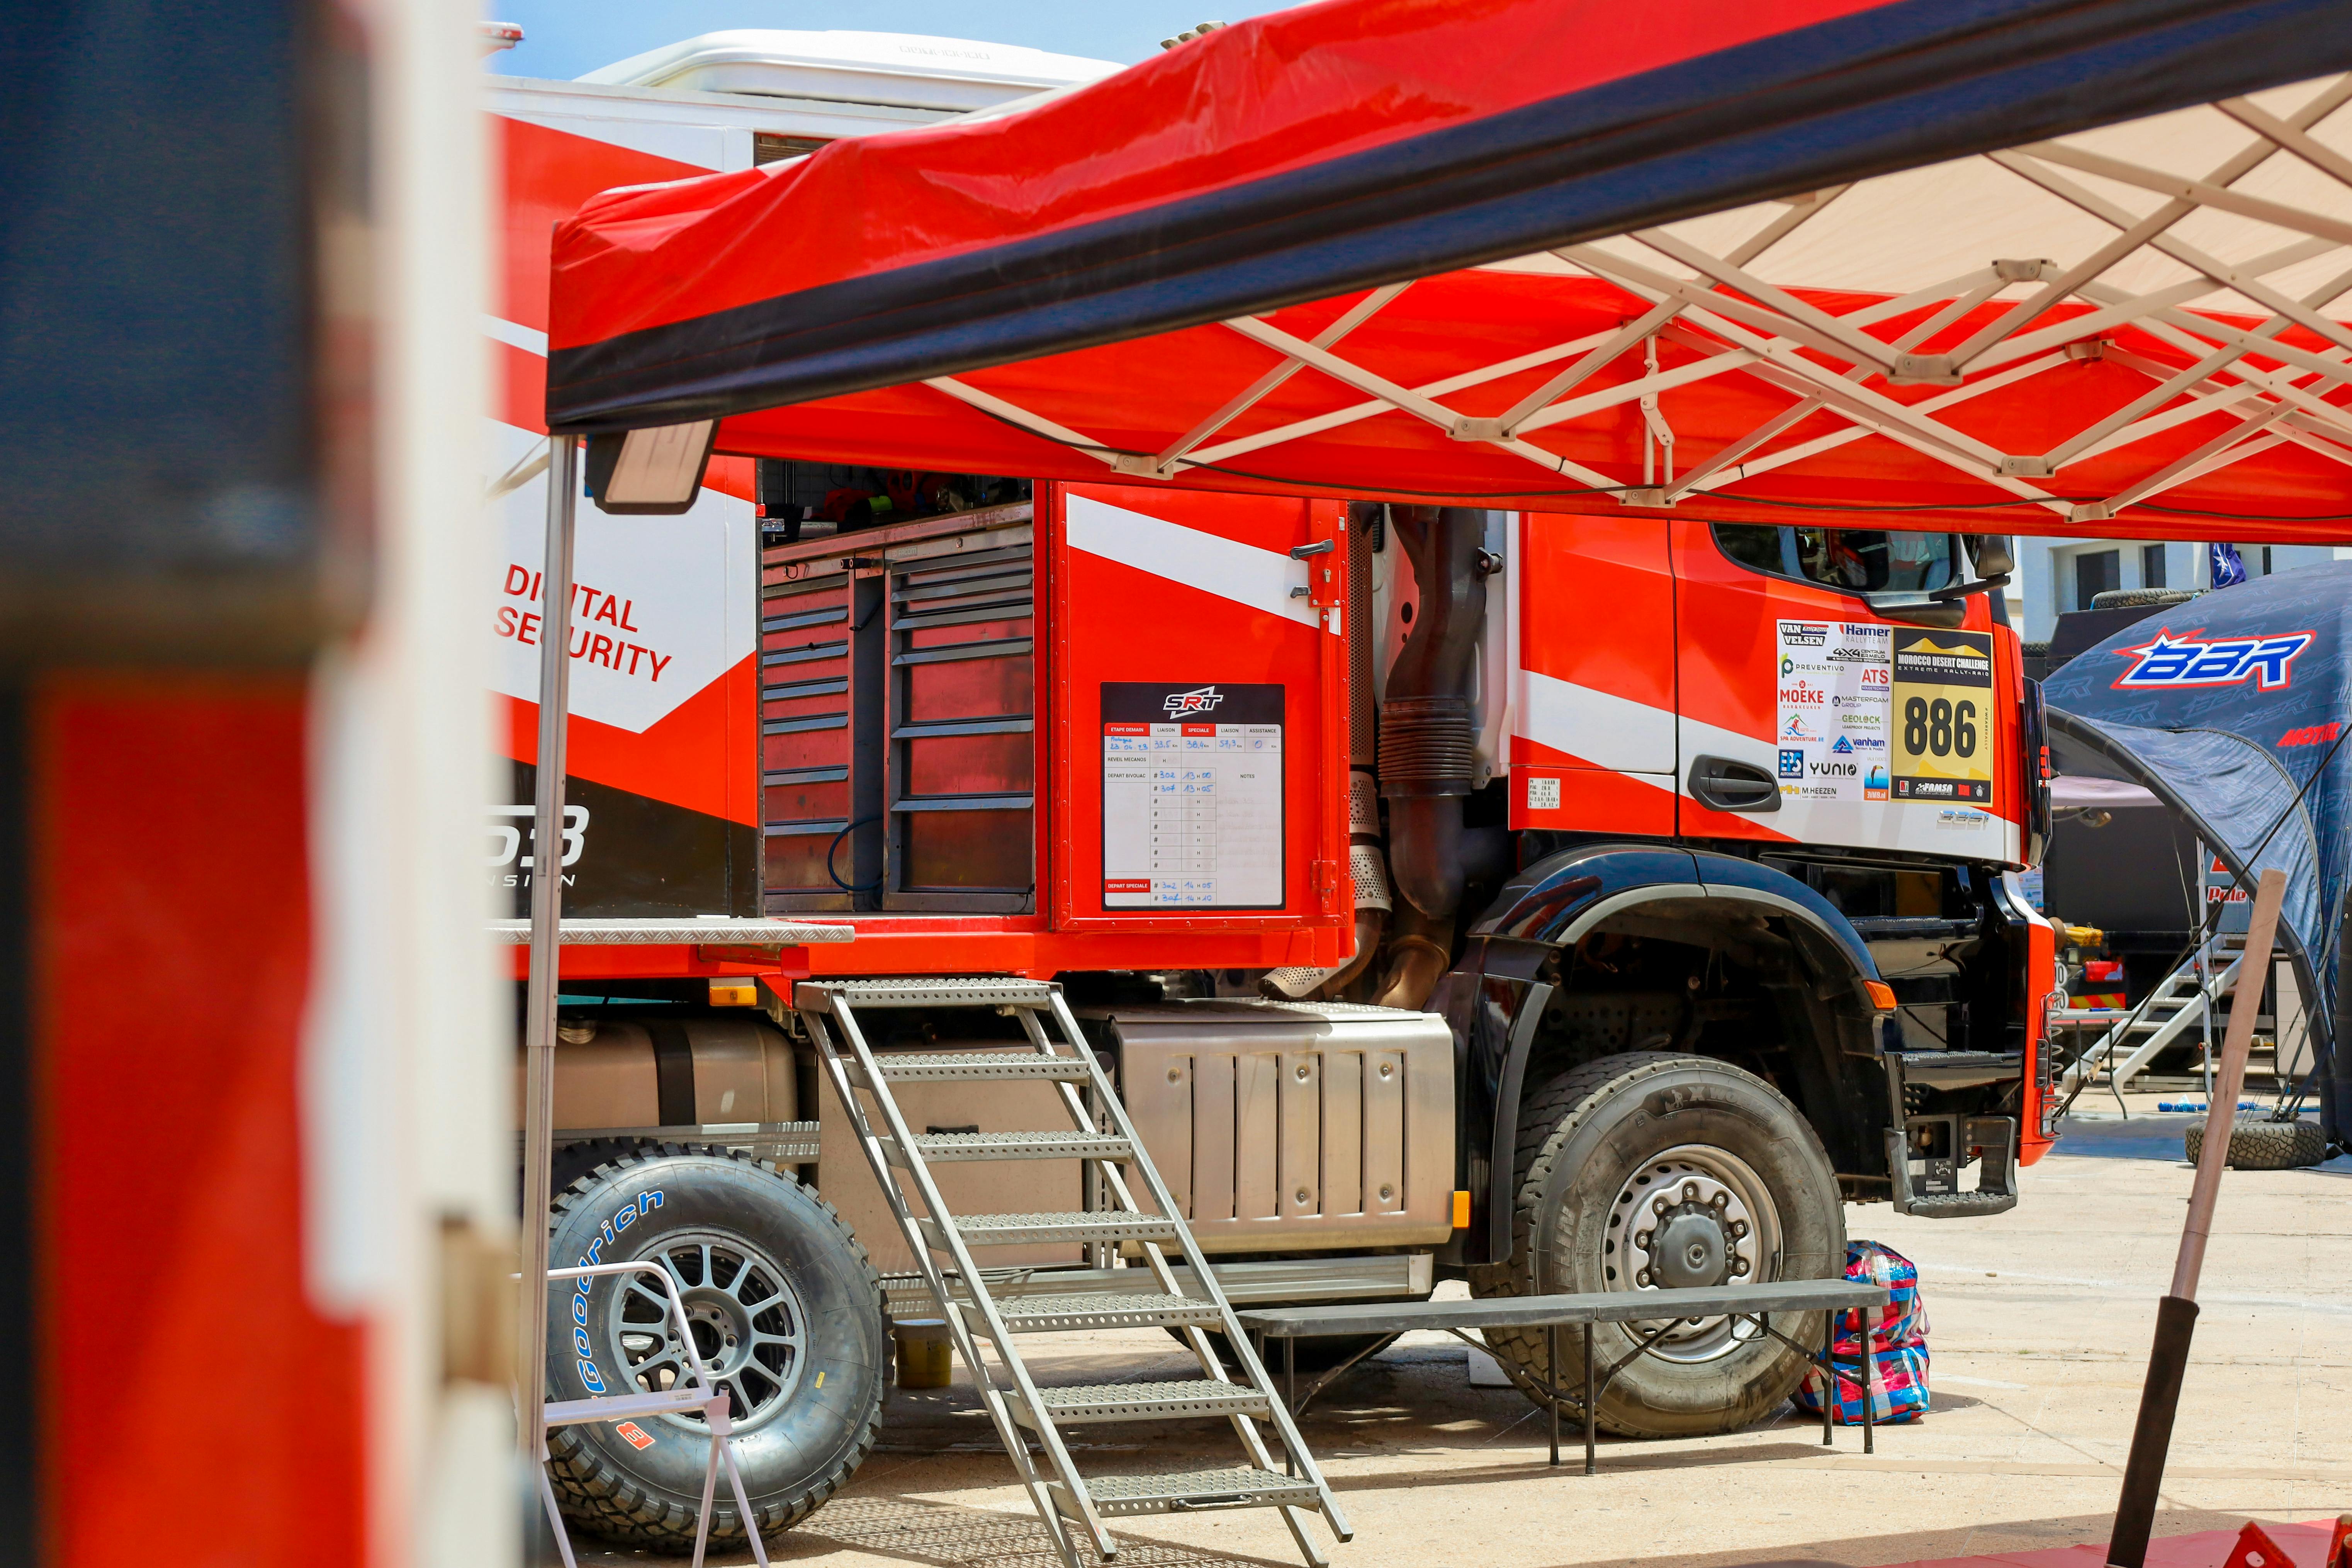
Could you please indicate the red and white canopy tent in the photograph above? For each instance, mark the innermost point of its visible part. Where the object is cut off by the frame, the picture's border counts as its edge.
(2017, 265)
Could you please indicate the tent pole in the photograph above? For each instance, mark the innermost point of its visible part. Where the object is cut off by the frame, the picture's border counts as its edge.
(546, 915)
(2176, 1312)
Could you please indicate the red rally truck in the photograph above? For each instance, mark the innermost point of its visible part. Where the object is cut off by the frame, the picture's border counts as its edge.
(1432, 882)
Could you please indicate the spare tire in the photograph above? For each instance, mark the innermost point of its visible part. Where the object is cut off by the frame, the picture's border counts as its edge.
(785, 1310)
(2141, 598)
(2267, 1145)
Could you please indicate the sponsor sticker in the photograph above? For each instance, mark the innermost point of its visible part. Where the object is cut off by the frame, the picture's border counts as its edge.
(1831, 693)
(636, 1436)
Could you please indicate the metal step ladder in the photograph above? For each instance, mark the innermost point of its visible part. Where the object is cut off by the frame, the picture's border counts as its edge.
(1027, 1417)
(2183, 1000)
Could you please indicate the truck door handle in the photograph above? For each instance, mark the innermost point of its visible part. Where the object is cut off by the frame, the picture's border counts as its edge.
(1725, 783)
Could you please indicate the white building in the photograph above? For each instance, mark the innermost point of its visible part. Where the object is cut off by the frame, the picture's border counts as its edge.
(2056, 576)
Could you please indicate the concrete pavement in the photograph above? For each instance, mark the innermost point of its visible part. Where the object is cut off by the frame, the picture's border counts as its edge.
(2040, 1324)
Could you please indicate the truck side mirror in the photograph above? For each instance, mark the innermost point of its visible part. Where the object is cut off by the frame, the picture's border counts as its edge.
(1991, 555)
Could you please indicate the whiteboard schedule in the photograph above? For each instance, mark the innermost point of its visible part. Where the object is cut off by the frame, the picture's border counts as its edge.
(1191, 795)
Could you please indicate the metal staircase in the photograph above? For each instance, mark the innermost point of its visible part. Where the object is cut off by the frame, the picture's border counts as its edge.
(942, 1244)
(2184, 1000)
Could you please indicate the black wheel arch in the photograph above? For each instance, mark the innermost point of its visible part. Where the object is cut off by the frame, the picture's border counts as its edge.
(1495, 997)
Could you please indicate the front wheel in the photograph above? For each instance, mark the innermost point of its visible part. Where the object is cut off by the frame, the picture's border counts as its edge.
(1653, 1170)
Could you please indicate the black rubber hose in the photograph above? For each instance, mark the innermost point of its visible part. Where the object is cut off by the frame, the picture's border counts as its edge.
(1428, 748)
(834, 848)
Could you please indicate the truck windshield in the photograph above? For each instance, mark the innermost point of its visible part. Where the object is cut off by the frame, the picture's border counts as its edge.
(1853, 560)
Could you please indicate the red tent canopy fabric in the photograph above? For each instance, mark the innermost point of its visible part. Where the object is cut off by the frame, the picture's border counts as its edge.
(2011, 266)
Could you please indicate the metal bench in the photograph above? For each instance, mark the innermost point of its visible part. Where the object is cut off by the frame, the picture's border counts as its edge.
(1752, 1303)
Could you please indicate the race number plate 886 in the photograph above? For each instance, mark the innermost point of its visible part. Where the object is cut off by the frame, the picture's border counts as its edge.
(1942, 720)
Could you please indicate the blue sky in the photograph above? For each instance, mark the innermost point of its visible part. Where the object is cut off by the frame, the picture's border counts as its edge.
(563, 38)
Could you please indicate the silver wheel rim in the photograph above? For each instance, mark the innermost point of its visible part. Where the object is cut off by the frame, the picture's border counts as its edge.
(1692, 1215)
(748, 1322)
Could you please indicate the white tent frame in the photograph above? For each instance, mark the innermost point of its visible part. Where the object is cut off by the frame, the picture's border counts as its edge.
(1713, 301)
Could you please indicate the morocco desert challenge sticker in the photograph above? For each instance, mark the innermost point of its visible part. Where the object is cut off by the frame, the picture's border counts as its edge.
(1942, 713)
(1834, 678)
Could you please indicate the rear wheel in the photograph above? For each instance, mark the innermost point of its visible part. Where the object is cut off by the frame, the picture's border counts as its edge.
(1651, 1171)
(785, 1313)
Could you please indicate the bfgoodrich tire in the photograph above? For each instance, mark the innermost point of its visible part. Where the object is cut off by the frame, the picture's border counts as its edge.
(786, 1311)
(1649, 1170)
(2266, 1145)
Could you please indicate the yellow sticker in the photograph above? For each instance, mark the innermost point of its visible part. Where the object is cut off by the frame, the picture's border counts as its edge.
(1943, 716)
(820, 1380)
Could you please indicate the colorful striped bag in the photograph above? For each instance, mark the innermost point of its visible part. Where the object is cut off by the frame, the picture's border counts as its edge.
(1899, 1343)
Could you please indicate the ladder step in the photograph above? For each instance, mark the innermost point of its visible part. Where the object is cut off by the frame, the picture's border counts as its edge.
(937, 1067)
(1026, 1229)
(1098, 1310)
(1245, 1487)
(1153, 1401)
(820, 994)
(938, 1146)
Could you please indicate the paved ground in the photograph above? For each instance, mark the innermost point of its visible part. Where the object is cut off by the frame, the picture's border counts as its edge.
(2041, 1320)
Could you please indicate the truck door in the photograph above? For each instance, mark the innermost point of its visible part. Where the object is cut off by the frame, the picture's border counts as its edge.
(1592, 743)
(1808, 716)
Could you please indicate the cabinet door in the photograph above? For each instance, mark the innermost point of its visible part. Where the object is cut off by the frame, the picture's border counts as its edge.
(1200, 682)
(961, 726)
(808, 746)
(1593, 747)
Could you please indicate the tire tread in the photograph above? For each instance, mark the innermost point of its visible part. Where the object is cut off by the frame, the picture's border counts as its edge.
(2266, 1145)
(1550, 1119)
(592, 1491)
